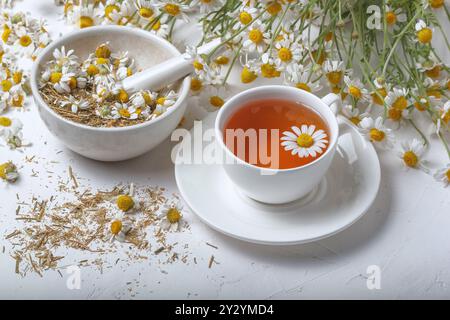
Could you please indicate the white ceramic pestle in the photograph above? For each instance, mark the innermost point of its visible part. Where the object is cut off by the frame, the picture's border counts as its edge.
(167, 72)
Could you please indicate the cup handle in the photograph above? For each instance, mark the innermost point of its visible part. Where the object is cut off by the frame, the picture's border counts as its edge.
(332, 100)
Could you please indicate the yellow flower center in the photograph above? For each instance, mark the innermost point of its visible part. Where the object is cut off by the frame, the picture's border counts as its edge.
(5, 122)
(103, 51)
(125, 202)
(303, 86)
(116, 227)
(329, 36)
(400, 103)
(55, 77)
(274, 8)
(355, 120)
(222, 60)
(124, 113)
(173, 215)
(18, 101)
(172, 9)
(6, 85)
(110, 9)
(319, 58)
(5, 34)
(196, 84)
(446, 117)
(269, 71)
(123, 96)
(337, 90)
(85, 22)
(376, 135)
(410, 159)
(216, 101)
(436, 4)
(334, 77)
(391, 18)
(156, 26)
(92, 70)
(17, 77)
(434, 91)
(145, 12)
(247, 75)
(378, 96)
(395, 114)
(255, 36)
(245, 17)
(4, 168)
(147, 98)
(198, 65)
(421, 106)
(285, 54)
(67, 7)
(425, 35)
(434, 73)
(73, 83)
(305, 140)
(161, 100)
(102, 61)
(355, 92)
(25, 40)
(447, 174)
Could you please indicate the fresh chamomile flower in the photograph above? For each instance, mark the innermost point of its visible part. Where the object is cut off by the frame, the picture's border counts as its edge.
(394, 16)
(256, 38)
(207, 6)
(8, 172)
(430, 65)
(355, 89)
(17, 96)
(24, 39)
(174, 8)
(145, 9)
(170, 217)
(267, 66)
(11, 133)
(213, 98)
(305, 141)
(444, 116)
(423, 32)
(434, 88)
(119, 228)
(84, 16)
(376, 132)
(334, 71)
(143, 98)
(443, 175)
(105, 10)
(124, 16)
(287, 52)
(161, 27)
(381, 90)
(435, 4)
(353, 114)
(245, 16)
(397, 98)
(411, 154)
(75, 104)
(301, 78)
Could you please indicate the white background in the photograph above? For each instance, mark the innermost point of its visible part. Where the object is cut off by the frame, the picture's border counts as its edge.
(405, 233)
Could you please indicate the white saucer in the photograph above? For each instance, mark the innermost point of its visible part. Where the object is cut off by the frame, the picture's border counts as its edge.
(344, 195)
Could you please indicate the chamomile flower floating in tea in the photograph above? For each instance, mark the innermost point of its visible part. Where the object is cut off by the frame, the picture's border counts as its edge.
(305, 141)
(411, 154)
(91, 91)
(171, 216)
(443, 175)
(8, 172)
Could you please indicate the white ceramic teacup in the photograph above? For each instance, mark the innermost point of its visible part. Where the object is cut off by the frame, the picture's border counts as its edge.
(277, 186)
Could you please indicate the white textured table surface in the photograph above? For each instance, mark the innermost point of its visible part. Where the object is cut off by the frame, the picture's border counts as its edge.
(405, 233)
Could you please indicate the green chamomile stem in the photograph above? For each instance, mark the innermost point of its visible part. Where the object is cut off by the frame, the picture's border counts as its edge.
(231, 65)
(172, 25)
(444, 142)
(397, 41)
(424, 138)
(278, 27)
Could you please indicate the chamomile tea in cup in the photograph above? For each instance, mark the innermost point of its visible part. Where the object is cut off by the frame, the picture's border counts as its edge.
(281, 139)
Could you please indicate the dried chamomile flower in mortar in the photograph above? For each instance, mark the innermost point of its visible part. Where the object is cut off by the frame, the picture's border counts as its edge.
(90, 91)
